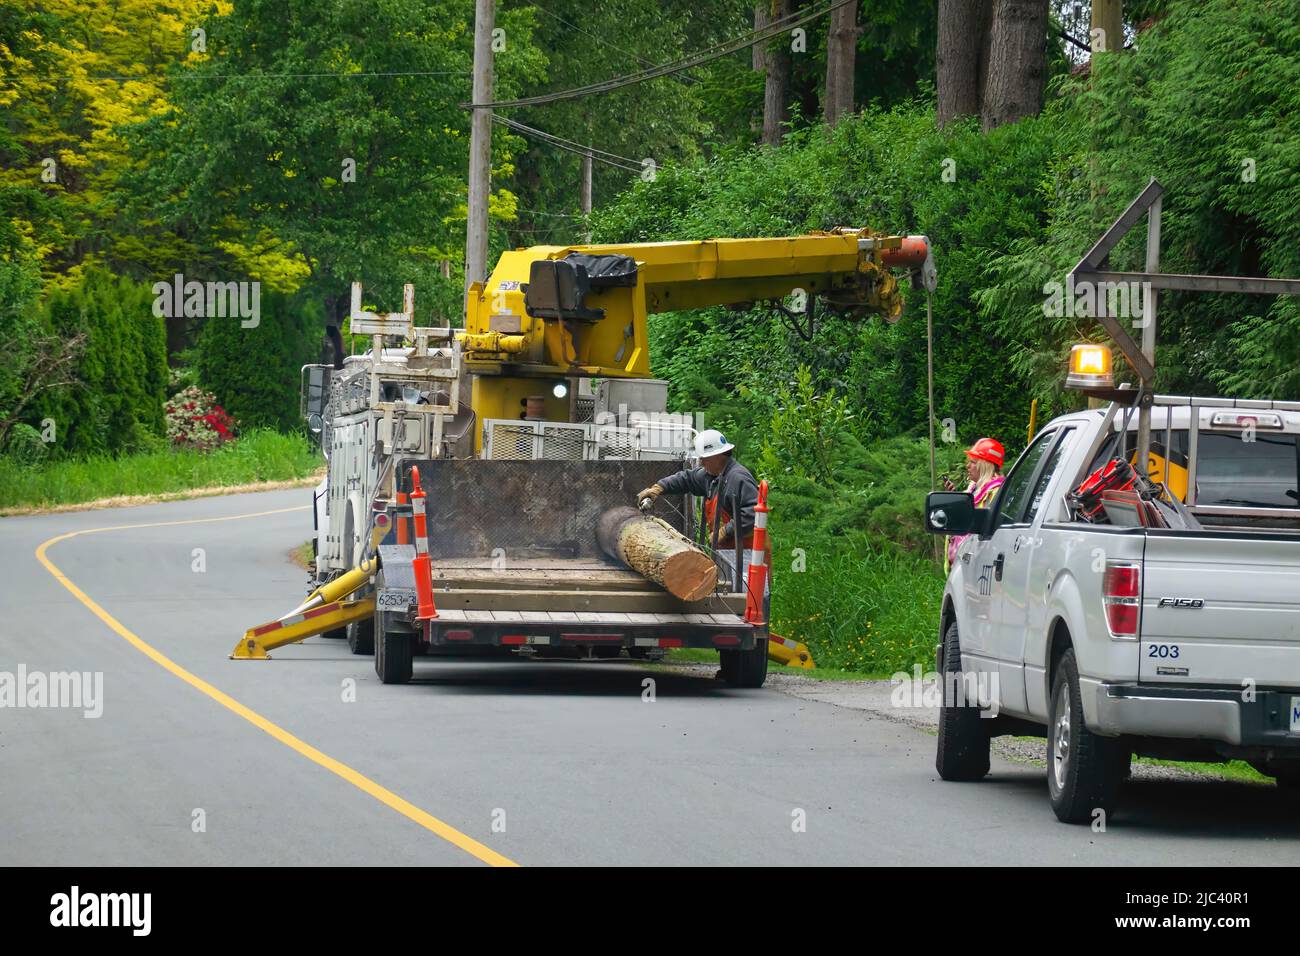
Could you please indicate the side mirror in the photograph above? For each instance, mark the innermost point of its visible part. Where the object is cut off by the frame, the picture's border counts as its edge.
(315, 423)
(954, 512)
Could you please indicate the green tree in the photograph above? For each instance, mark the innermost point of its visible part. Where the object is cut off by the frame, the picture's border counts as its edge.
(117, 404)
(332, 133)
(255, 372)
(1208, 103)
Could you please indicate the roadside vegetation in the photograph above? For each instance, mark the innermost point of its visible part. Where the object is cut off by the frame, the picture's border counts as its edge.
(258, 456)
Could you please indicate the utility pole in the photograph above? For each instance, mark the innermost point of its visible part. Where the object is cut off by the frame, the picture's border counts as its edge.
(1107, 31)
(480, 146)
(586, 189)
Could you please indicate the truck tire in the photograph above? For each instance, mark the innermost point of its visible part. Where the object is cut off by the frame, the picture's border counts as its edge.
(394, 656)
(745, 668)
(1285, 773)
(963, 747)
(361, 636)
(1084, 770)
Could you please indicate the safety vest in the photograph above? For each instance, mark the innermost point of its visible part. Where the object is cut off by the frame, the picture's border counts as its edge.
(711, 508)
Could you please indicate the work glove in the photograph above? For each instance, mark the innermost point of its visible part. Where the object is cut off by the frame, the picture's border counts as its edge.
(645, 498)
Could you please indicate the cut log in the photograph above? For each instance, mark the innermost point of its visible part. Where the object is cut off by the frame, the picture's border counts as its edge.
(658, 551)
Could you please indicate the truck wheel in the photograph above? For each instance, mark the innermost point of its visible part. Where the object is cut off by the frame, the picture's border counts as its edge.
(963, 749)
(361, 636)
(1084, 770)
(1285, 773)
(394, 656)
(745, 668)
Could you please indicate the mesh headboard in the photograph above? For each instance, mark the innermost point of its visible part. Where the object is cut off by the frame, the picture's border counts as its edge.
(529, 508)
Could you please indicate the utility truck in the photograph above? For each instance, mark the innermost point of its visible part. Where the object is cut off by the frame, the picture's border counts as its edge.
(1170, 631)
(524, 427)
(1133, 587)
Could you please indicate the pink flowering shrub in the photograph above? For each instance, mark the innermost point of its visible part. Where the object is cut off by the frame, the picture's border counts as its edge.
(195, 420)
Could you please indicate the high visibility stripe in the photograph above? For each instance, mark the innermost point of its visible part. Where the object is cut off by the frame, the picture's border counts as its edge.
(760, 520)
(296, 619)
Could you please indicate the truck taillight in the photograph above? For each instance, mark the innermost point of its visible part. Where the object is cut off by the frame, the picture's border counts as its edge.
(1121, 593)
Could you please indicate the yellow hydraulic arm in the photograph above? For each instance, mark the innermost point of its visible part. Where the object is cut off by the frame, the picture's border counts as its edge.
(789, 653)
(324, 610)
(512, 338)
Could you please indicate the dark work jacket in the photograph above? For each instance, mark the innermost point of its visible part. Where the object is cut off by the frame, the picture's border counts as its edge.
(735, 484)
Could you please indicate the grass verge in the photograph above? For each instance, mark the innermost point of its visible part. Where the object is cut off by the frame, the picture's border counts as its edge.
(861, 605)
(259, 457)
(699, 655)
(302, 555)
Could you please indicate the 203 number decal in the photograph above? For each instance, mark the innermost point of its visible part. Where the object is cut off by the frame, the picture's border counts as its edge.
(1163, 650)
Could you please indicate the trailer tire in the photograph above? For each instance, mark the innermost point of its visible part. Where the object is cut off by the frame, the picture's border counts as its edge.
(394, 656)
(361, 636)
(963, 748)
(1084, 770)
(745, 668)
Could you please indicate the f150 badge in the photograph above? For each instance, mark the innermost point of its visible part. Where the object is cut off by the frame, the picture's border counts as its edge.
(1194, 603)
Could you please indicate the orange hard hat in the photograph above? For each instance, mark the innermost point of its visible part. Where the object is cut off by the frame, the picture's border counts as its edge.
(987, 449)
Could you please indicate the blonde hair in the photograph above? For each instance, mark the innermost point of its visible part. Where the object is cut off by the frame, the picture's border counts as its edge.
(984, 470)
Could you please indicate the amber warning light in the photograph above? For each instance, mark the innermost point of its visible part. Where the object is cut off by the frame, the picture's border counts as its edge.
(1090, 367)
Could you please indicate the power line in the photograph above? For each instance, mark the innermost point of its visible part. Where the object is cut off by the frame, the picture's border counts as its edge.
(552, 215)
(244, 76)
(602, 42)
(758, 36)
(533, 130)
(600, 155)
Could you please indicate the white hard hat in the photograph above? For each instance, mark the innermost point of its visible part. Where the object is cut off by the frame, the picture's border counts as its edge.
(711, 442)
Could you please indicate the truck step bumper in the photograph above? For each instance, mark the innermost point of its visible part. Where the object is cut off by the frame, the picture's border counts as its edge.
(1196, 713)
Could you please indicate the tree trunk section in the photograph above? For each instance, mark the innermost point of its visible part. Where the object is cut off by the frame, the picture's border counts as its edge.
(776, 62)
(963, 27)
(841, 50)
(656, 550)
(759, 50)
(1017, 62)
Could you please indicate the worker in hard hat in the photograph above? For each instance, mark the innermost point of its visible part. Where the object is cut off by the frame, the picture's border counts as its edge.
(730, 494)
(984, 461)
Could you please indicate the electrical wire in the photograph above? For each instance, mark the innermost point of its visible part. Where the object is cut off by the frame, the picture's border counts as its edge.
(602, 42)
(751, 39)
(244, 76)
(599, 155)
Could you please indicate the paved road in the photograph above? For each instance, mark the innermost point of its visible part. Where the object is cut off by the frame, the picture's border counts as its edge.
(199, 760)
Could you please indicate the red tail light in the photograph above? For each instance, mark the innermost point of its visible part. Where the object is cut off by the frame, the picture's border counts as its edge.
(1121, 594)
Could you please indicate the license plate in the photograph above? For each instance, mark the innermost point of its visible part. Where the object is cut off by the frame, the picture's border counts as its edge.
(1295, 715)
(395, 599)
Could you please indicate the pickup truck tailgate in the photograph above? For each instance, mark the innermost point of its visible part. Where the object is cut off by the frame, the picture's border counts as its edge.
(1221, 608)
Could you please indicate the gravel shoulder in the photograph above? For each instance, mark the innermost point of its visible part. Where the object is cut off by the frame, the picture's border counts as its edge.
(893, 702)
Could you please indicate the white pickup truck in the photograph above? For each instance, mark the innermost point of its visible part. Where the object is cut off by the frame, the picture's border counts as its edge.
(1176, 638)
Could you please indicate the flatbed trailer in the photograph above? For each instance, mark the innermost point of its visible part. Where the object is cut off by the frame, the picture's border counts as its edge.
(516, 564)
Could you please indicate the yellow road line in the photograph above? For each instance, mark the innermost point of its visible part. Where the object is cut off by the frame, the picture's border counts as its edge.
(358, 780)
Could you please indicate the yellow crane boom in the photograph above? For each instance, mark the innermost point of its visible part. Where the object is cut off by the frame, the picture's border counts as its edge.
(549, 312)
